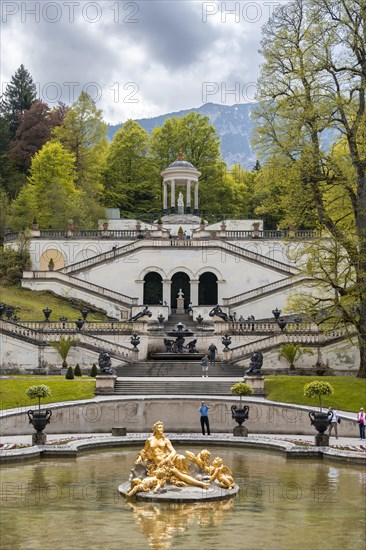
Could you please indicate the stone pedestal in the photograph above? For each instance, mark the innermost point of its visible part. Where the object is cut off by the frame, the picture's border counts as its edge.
(119, 431)
(226, 355)
(135, 355)
(105, 384)
(322, 440)
(256, 382)
(39, 438)
(180, 306)
(240, 431)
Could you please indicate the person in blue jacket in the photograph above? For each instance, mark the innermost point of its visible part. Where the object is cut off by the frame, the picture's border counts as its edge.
(204, 418)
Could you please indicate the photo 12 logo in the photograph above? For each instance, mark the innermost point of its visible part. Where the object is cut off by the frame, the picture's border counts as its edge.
(229, 93)
(70, 11)
(238, 12)
(68, 92)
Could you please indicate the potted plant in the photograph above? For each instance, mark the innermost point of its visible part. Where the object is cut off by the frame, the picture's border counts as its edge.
(316, 389)
(28, 265)
(242, 413)
(63, 347)
(180, 232)
(105, 225)
(202, 224)
(223, 226)
(213, 234)
(35, 225)
(291, 352)
(51, 265)
(39, 418)
(138, 226)
(160, 223)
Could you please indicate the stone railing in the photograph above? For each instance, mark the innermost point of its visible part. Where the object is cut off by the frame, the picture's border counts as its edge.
(84, 285)
(100, 344)
(178, 243)
(265, 289)
(88, 339)
(63, 327)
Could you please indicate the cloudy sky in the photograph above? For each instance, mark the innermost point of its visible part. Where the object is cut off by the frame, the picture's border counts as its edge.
(136, 58)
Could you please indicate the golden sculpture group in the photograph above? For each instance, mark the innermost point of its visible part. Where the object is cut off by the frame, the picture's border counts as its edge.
(164, 465)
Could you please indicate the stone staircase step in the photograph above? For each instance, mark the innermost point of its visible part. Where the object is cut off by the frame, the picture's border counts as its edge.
(199, 387)
(177, 369)
(202, 387)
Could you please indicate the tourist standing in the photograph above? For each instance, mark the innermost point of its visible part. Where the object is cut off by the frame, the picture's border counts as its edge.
(361, 418)
(212, 349)
(333, 425)
(204, 418)
(204, 365)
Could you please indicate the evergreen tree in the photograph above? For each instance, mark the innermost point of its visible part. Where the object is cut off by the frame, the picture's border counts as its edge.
(19, 96)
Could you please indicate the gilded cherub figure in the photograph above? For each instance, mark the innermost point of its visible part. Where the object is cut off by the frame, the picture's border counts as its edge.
(202, 460)
(222, 473)
(158, 480)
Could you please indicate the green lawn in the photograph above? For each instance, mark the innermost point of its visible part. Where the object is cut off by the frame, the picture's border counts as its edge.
(349, 392)
(13, 390)
(29, 304)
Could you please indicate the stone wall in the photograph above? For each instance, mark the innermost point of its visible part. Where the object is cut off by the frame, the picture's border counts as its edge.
(179, 414)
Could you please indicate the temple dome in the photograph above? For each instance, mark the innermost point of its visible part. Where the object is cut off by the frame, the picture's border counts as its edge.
(180, 163)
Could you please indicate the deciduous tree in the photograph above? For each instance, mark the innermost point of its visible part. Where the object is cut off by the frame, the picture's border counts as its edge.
(313, 80)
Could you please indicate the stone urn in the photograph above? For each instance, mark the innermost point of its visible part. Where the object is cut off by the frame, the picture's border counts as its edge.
(320, 420)
(226, 340)
(39, 419)
(135, 340)
(240, 415)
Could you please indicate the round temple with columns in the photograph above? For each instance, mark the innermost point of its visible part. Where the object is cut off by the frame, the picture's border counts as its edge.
(180, 173)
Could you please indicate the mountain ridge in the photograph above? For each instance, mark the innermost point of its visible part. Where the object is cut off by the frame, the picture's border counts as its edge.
(233, 125)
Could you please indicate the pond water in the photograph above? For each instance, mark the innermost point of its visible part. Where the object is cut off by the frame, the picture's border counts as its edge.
(283, 504)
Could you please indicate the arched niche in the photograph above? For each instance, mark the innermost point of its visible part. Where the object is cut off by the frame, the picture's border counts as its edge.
(153, 288)
(207, 289)
(57, 257)
(180, 280)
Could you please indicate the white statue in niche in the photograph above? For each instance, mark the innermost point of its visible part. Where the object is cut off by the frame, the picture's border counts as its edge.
(180, 199)
(180, 294)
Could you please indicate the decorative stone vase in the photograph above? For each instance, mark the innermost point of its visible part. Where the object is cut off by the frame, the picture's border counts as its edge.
(47, 313)
(320, 420)
(135, 340)
(226, 340)
(240, 415)
(80, 323)
(105, 226)
(39, 419)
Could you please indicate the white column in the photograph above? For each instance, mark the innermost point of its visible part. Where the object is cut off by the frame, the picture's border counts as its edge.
(219, 290)
(194, 291)
(172, 197)
(196, 198)
(188, 198)
(165, 197)
(166, 292)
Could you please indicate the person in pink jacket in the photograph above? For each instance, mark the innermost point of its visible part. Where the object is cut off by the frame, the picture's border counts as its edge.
(361, 418)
